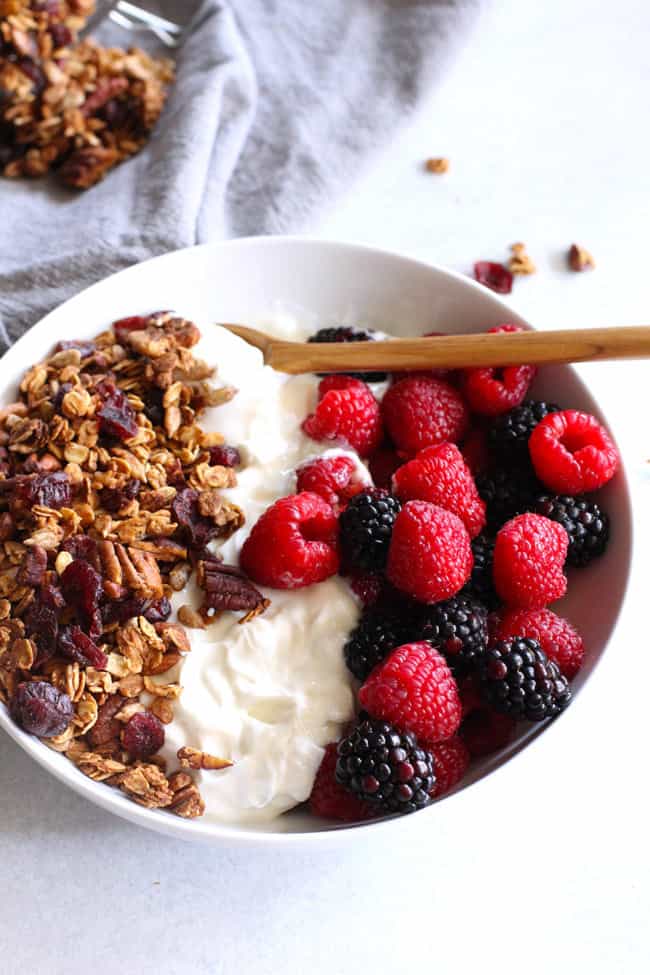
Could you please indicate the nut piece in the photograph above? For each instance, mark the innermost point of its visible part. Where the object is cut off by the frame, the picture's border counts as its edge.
(189, 617)
(437, 164)
(186, 801)
(579, 259)
(520, 262)
(193, 758)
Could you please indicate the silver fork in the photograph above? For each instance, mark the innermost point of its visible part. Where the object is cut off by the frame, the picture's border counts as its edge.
(131, 17)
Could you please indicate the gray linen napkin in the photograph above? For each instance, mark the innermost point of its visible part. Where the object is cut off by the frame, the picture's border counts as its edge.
(276, 106)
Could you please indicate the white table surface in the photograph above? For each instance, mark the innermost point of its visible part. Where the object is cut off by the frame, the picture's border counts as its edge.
(544, 118)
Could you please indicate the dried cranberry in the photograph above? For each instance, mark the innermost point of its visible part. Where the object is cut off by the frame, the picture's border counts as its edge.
(50, 490)
(153, 407)
(41, 709)
(84, 348)
(75, 645)
(119, 611)
(494, 276)
(116, 415)
(115, 498)
(224, 456)
(82, 547)
(196, 529)
(158, 610)
(51, 596)
(42, 625)
(57, 399)
(82, 590)
(61, 35)
(33, 568)
(143, 735)
(33, 72)
(122, 327)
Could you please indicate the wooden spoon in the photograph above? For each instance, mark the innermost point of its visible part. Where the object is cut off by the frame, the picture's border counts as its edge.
(450, 351)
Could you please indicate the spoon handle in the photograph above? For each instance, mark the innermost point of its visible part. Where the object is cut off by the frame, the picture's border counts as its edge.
(456, 351)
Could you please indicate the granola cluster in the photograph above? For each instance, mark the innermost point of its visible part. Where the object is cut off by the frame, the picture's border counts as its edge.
(66, 105)
(109, 501)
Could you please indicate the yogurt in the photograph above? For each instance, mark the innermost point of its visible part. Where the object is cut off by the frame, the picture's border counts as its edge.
(268, 694)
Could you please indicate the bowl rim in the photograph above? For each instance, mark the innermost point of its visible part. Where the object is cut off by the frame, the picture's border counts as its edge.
(217, 832)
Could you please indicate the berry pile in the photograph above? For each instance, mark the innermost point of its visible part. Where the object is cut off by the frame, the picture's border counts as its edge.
(477, 515)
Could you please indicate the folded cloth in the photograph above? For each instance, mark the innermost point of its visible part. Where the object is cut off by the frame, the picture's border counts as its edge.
(276, 106)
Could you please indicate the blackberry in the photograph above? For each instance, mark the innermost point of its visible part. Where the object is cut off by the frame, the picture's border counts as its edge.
(458, 627)
(481, 583)
(377, 633)
(508, 492)
(508, 436)
(518, 679)
(346, 333)
(586, 524)
(385, 767)
(366, 529)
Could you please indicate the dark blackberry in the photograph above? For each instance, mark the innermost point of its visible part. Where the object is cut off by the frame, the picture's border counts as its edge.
(586, 524)
(481, 583)
(377, 633)
(518, 679)
(508, 436)
(458, 627)
(508, 492)
(385, 767)
(346, 333)
(366, 529)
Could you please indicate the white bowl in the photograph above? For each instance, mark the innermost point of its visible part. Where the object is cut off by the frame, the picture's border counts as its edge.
(251, 280)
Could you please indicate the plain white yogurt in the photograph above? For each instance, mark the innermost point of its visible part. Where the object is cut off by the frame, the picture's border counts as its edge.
(268, 694)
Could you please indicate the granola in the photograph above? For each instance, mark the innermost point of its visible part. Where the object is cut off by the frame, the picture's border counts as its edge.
(98, 529)
(68, 105)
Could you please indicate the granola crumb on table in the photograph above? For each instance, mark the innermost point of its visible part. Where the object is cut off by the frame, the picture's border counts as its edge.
(68, 105)
(108, 504)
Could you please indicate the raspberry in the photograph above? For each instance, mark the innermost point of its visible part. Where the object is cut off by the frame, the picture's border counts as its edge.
(421, 412)
(450, 760)
(366, 528)
(346, 333)
(293, 544)
(485, 731)
(493, 390)
(518, 679)
(509, 434)
(385, 767)
(347, 413)
(586, 524)
(414, 690)
(335, 479)
(458, 628)
(529, 556)
(508, 492)
(559, 640)
(378, 633)
(382, 465)
(430, 554)
(481, 583)
(494, 276)
(329, 799)
(572, 452)
(439, 474)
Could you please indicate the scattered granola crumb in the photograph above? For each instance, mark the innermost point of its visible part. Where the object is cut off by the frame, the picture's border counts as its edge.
(579, 259)
(196, 759)
(520, 262)
(437, 164)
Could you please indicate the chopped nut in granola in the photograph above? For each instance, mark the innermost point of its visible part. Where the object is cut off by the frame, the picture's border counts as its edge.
(520, 262)
(579, 259)
(437, 164)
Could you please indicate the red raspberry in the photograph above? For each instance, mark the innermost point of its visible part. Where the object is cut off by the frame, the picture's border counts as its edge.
(430, 554)
(420, 412)
(347, 413)
(439, 474)
(329, 799)
(293, 544)
(475, 451)
(451, 759)
(559, 640)
(485, 731)
(382, 465)
(572, 452)
(413, 689)
(495, 390)
(529, 556)
(335, 479)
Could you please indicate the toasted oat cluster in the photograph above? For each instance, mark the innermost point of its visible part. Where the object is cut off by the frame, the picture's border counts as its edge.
(71, 106)
(109, 500)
